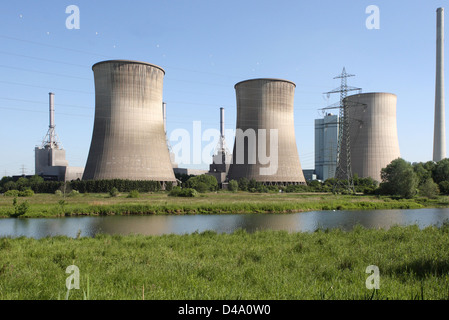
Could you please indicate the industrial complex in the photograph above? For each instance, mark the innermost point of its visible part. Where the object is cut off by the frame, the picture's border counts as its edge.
(129, 139)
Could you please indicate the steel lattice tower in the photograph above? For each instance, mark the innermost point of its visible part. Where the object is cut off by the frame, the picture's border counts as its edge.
(343, 173)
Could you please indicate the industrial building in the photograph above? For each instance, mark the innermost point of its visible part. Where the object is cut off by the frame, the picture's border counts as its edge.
(265, 146)
(128, 139)
(326, 146)
(372, 133)
(222, 158)
(49, 158)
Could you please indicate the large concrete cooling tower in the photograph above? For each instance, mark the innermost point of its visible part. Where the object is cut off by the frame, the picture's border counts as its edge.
(128, 140)
(373, 133)
(265, 145)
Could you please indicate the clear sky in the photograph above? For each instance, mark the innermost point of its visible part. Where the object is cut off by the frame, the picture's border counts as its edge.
(206, 47)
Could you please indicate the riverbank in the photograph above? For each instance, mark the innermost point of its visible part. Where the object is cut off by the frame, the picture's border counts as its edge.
(50, 205)
(413, 264)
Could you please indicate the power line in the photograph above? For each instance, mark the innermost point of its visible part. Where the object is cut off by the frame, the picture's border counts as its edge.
(110, 57)
(46, 88)
(43, 59)
(53, 46)
(43, 72)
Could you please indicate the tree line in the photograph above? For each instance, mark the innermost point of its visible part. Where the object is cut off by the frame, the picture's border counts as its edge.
(400, 178)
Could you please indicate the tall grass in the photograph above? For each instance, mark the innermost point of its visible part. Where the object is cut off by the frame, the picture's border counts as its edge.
(413, 263)
(212, 203)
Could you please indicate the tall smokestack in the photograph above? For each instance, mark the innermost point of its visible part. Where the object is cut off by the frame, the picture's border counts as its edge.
(222, 122)
(52, 117)
(221, 127)
(439, 138)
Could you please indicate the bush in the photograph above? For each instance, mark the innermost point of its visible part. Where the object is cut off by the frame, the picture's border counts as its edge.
(185, 192)
(233, 186)
(26, 193)
(202, 183)
(188, 192)
(429, 189)
(202, 187)
(243, 184)
(74, 193)
(133, 194)
(175, 191)
(58, 193)
(12, 193)
(113, 192)
(19, 209)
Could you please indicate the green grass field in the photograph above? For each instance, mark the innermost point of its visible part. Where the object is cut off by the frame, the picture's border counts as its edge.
(48, 205)
(413, 264)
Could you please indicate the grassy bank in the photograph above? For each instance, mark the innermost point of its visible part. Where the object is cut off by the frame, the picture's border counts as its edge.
(49, 205)
(413, 264)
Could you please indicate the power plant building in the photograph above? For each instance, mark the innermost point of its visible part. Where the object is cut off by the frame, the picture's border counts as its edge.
(50, 158)
(326, 146)
(265, 146)
(372, 132)
(128, 139)
(222, 158)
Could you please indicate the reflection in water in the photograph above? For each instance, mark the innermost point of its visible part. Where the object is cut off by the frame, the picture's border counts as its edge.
(158, 225)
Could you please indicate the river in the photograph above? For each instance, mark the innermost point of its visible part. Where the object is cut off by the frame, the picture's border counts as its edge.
(185, 224)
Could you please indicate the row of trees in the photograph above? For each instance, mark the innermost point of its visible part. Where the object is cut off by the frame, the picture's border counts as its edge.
(406, 180)
(38, 185)
(400, 178)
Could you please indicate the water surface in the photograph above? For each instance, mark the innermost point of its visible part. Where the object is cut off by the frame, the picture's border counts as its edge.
(185, 224)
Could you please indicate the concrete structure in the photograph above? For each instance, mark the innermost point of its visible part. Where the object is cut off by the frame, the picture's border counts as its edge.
(49, 159)
(172, 155)
(326, 146)
(222, 158)
(190, 172)
(128, 140)
(372, 132)
(265, 145)
(439, 137)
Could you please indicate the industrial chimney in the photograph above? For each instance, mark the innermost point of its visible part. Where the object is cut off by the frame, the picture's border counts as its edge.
(128, 140)
(439, 138)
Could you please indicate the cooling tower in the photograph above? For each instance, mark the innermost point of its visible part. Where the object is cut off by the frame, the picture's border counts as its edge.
(128, 140)
(373, 136)
(439, 136)
(265, 145)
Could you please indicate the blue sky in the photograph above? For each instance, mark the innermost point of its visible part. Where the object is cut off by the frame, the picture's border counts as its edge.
(206, 47)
